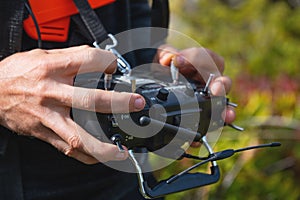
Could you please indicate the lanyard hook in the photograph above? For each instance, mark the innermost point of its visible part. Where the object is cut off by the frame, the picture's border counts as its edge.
(123, 66)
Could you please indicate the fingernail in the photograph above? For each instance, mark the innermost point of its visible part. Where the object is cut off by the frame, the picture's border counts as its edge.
(139, 103)
(179, 61)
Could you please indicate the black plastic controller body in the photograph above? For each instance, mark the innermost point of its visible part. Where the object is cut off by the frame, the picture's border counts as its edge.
(173, 114)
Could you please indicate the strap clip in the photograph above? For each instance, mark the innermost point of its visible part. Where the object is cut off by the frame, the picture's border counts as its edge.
(123, 66)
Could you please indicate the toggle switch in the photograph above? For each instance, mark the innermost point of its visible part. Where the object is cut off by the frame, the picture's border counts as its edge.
(116, 139)
(162, 94)
(174, 73)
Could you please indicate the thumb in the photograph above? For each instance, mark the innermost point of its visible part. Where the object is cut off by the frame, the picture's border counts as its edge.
(102, 151)
(108, 152)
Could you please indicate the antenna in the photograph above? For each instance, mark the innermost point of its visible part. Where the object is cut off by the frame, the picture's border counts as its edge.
(220, 156)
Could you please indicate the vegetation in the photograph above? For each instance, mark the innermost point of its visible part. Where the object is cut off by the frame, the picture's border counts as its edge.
(260, 41)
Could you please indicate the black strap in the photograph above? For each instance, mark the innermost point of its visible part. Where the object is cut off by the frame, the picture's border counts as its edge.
(160, 13)
(91, 20)
(159, 17)
(11, 19)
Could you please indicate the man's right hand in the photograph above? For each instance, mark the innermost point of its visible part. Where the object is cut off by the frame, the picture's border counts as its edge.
(37, 94)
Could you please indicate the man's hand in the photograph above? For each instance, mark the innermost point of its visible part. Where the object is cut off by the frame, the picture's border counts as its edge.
(37, 94)
(197, 64)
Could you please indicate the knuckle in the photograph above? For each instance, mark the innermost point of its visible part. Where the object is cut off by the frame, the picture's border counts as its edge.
(85, 46)
(44, 67)
(75, 142)
(37, 51)
(41, 91)
(87, 100)
(90, 53)
(68, 62)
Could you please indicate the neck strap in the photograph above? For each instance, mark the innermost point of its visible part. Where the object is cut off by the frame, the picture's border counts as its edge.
(91, 21)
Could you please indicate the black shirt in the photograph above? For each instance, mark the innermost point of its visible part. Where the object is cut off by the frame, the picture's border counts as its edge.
(31, 169)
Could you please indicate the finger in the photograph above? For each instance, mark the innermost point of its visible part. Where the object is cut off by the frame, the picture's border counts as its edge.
(219, 60)
(197, 61)
(103, 152)
(78, 140)
(166, 54)
(200, 57)
(78, 60)
(186, 68)
(67, 50)
(99, 100)
(195, 144)
(229, 115)
(166, 59)
(50, 137)
(220, 86)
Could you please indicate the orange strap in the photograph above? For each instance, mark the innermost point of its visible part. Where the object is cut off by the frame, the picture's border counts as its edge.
(53, 18)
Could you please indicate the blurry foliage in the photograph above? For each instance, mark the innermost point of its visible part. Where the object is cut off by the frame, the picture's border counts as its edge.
(259, 36)
(260, 41)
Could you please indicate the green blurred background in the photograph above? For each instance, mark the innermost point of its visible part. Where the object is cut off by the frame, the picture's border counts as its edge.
(260, 41)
